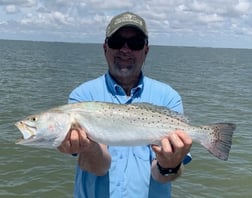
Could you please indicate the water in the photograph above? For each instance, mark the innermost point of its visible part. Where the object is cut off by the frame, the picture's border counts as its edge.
(215, 85)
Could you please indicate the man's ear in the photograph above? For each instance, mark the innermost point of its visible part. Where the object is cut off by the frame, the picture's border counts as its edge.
(146, 50)
(105, 48)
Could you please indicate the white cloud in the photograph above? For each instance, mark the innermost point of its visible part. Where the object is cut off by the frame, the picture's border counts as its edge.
(10, 9)
(47, 21)
(211, 18)
(22, 3)
(243, 6)
(86, 20)
(112, 4)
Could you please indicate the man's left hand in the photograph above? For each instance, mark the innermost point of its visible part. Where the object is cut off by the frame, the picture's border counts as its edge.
(173, 149)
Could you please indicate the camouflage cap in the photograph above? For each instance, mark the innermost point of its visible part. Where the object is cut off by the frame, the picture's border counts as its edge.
(126, 19)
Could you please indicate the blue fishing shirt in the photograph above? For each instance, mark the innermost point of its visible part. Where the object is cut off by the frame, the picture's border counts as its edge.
(130, 173)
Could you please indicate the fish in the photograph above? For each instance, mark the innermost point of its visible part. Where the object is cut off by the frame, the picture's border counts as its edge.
(113, 124)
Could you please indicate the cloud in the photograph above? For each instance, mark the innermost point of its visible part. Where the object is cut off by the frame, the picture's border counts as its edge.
(86, 20)
(112, 4)
(22, 3)
(10, 9)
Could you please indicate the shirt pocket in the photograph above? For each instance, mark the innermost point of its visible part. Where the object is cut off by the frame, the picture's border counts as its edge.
(142, 152)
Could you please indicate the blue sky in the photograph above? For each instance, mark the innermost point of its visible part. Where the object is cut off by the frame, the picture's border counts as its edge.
(204, 23)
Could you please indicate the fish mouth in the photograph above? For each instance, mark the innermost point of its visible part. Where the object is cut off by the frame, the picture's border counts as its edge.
(27, 130)
(29, 133)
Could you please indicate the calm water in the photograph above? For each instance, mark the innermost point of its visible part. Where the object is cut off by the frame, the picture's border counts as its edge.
(215, 85)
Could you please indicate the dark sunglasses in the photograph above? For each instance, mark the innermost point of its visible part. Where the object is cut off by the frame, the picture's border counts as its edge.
(134, 43)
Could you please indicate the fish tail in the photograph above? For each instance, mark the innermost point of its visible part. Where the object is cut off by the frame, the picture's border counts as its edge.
(220, 141)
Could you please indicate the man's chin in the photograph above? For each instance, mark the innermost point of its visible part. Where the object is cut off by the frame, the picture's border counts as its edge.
(124, 71)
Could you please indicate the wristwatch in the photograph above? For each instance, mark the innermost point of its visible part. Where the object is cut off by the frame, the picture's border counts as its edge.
(168, 171)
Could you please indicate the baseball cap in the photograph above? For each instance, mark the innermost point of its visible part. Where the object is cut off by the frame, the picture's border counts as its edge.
(126, 19)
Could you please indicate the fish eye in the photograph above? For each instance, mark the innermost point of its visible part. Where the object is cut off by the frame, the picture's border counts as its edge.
(34, 119)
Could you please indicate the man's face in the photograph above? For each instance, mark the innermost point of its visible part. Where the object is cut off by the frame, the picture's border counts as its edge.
(125, 63)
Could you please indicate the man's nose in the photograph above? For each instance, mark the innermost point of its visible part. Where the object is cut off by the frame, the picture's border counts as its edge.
(125, 48)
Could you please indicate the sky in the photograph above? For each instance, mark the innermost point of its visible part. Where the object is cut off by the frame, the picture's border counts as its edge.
(198, 23)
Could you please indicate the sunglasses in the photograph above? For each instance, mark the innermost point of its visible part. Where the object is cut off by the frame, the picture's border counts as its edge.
(134, 43)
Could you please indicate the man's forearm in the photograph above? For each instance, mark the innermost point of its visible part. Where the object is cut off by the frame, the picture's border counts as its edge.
(96, 160)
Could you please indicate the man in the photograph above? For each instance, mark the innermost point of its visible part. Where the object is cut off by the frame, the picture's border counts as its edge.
(142, 171)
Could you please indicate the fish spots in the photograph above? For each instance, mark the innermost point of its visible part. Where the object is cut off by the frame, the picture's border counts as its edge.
(173, 121)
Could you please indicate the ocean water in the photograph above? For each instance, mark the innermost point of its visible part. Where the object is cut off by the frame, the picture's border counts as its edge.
(215, 85)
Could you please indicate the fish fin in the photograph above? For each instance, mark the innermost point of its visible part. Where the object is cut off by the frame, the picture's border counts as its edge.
(161, 109)
(221, 140)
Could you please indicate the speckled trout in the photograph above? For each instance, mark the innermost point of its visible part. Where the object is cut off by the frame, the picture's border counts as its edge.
(121, 125)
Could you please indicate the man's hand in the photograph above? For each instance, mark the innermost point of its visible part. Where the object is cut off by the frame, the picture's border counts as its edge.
(171, 153)
(76, 141)
(173, 149)
(93, 157)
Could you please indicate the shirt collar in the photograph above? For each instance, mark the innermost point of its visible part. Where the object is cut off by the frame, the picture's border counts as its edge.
(116, 89)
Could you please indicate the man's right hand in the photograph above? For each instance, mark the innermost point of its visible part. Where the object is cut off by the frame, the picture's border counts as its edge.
(92, 157)
(75, 142)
